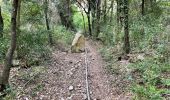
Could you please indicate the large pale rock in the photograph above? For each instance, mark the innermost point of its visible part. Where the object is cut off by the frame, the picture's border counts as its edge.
(78, 44)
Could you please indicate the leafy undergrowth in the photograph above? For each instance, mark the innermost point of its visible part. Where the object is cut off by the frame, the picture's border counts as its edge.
(145, 75)
(35, 53)
(151, 80)
(22, 81)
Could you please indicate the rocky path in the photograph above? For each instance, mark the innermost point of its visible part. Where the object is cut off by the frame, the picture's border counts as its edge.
(65, 79)
(100, 83)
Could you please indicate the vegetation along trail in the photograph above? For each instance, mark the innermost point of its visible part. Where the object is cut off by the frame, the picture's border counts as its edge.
(84, 50)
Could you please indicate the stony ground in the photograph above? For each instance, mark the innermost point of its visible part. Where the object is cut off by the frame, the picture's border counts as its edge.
(64, 78)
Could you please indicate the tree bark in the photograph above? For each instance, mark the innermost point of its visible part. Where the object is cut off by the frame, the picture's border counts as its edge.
(143, 7)
(104, 11)
(65, 12)
(9, 55)
(119, 25)
(18, 15)
(93, 12)
(1, 24)
(47, 22)
(19, 54)
(126, 28)
(111, 16)
(88, 17)
(98, 18)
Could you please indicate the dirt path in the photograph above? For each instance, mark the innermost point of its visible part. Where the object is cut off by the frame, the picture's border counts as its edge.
(100, 84)
(64, 78)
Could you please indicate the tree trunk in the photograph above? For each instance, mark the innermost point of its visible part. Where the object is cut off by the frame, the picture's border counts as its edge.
(98, 18)
(126, 28)
(89, 24)
(9, 55)
(88, 17)
(18, 15)
(111, 16)
(118, 21)
(143, 6)
(65, 12)
(104, 11)
(47, 22)
(19, 54)
(1, 24)
(93, 13)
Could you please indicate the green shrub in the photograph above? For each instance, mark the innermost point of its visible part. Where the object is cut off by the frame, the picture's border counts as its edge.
(148, 92)
(61, 34)
(4, 44)
(33, 45)
(150, 71)
(78, 20)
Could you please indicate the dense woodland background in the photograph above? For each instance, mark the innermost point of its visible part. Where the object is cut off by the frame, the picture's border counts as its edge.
(133, 30)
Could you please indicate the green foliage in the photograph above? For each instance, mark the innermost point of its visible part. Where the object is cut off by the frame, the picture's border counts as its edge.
(6, 19)
(4, 44)
(107, 35)
(148, 92)
(79, 22)
(33, 11)
(33, 45)
(61, 34)
(11, 94)
(145, 31)
(105, 52)
(150, 71)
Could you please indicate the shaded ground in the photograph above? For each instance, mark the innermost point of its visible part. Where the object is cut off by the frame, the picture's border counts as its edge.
(64, 78)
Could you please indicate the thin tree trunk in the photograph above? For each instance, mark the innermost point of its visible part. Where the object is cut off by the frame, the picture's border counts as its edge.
(18, 15)
(98, 18)
(19, 54)
(88, 17)
(89, 24)
(93, 13)
(118, 21)
(65, 12)
(104, 11)
(9, 55)
(111, 16)
(1, 24)
(143, 5)
(126, 28)
(47, 22)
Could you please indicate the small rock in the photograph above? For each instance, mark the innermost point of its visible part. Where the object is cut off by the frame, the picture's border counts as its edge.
(71, 88)
(70, 62)
(91, 92)
(79, 85)
(79, 64)
(84, 97)
(96, 99)
(26, 98)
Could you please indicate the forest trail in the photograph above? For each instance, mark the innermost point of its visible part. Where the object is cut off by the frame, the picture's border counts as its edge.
(66, 76)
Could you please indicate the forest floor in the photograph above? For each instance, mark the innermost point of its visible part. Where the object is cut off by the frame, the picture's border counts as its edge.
(64, 78)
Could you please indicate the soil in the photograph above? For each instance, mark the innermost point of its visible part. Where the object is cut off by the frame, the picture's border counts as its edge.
(64, 78)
